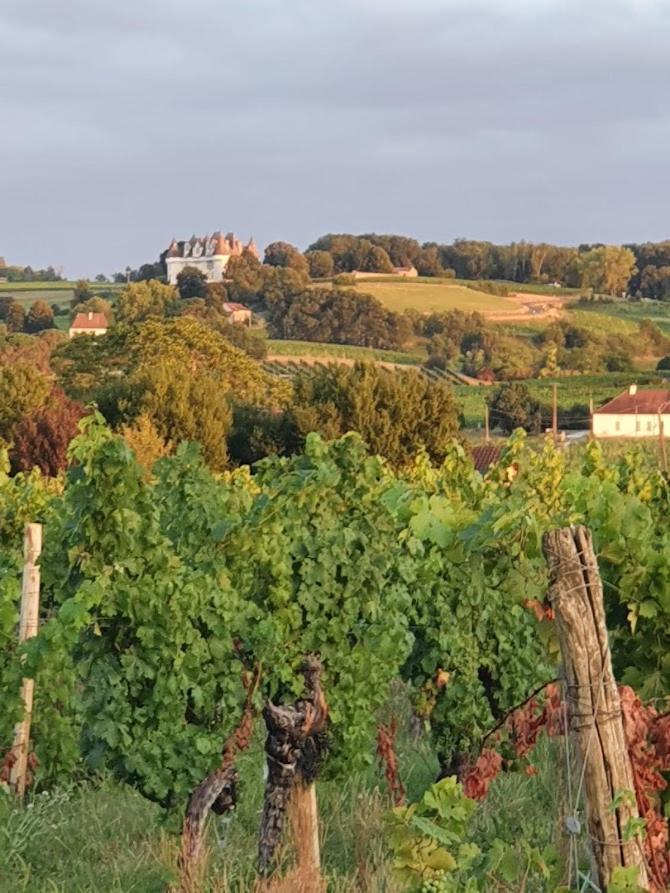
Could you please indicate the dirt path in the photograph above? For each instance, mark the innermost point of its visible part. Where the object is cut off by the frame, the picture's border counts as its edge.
(531, 306)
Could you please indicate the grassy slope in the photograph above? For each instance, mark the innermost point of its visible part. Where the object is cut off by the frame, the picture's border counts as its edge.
(534, 288)
(107, 839)
(317, 349)
(630, 311)
(430, 295)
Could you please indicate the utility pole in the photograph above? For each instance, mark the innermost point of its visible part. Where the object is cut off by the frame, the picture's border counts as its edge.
(554, 411)
(487, 433)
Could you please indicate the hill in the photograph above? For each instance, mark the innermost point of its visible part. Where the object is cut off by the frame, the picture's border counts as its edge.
(434, 295)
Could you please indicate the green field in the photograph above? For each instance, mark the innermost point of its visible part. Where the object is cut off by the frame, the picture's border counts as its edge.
(572, 390)
(52, 292)
(59, 285)
(349, 352)
(535, 288)
(630, 311)
(428, 296)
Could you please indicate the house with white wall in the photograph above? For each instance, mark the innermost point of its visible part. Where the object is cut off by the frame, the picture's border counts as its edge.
(634, 413)
(209, 254)
(89, 324)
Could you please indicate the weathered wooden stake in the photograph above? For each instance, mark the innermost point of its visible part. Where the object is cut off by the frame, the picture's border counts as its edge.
(304, 816)
(28, 624)
(305, 876)
(593, 703)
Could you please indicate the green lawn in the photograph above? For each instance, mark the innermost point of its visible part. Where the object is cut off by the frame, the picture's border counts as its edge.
(428, 295)
(319, 349)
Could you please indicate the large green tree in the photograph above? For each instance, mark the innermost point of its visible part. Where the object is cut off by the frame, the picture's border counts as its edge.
(82, 292)
(22, 389)
(512, 407)
(395, 413)
(191, 283)
(339, 316)
(321, 264)
(16, 317)
(181, 374)
(283, 254)
(607, 269)
(39, 317)
(140, 301)
(244, 277)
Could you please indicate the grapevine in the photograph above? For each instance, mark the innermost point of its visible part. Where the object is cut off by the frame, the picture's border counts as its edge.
(161, 591)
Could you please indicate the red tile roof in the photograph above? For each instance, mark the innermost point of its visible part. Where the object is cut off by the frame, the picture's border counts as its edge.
(638, 402)
(485, 456)
(90, 321)
(232, 307)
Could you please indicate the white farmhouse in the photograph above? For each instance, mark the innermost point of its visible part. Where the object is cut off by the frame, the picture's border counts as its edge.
(89, 324)
(209, 254)
(633, 414)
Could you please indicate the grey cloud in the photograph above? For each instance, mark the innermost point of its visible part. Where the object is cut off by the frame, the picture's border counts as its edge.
(125, 123)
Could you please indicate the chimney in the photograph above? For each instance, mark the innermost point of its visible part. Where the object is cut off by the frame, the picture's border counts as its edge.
(632, 390)
(90, 316)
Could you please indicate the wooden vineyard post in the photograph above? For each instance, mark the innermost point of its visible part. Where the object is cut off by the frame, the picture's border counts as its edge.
(28, 624)
(304, 816)
(594, 707)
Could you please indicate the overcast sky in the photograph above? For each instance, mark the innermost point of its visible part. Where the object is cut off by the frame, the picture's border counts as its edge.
(125, 123)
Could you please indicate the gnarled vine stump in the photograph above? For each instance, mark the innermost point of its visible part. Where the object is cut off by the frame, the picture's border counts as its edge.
(293, 748)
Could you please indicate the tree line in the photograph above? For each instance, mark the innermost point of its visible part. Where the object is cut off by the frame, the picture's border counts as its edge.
(13, 273)
(638, 269)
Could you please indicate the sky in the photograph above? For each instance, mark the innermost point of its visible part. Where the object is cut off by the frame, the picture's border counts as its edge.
(123, 124)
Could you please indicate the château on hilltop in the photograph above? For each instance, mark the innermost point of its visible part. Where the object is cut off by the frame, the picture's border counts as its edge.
(209, 254)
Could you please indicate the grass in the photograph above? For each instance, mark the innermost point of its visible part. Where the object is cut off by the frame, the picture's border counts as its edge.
(575, 389)
(630, 311)
(105, 838)
(535, 288)
(318, 349)
(26, 298)
(429, 295)
(60, 292)
(602, 323)
(58, 285)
